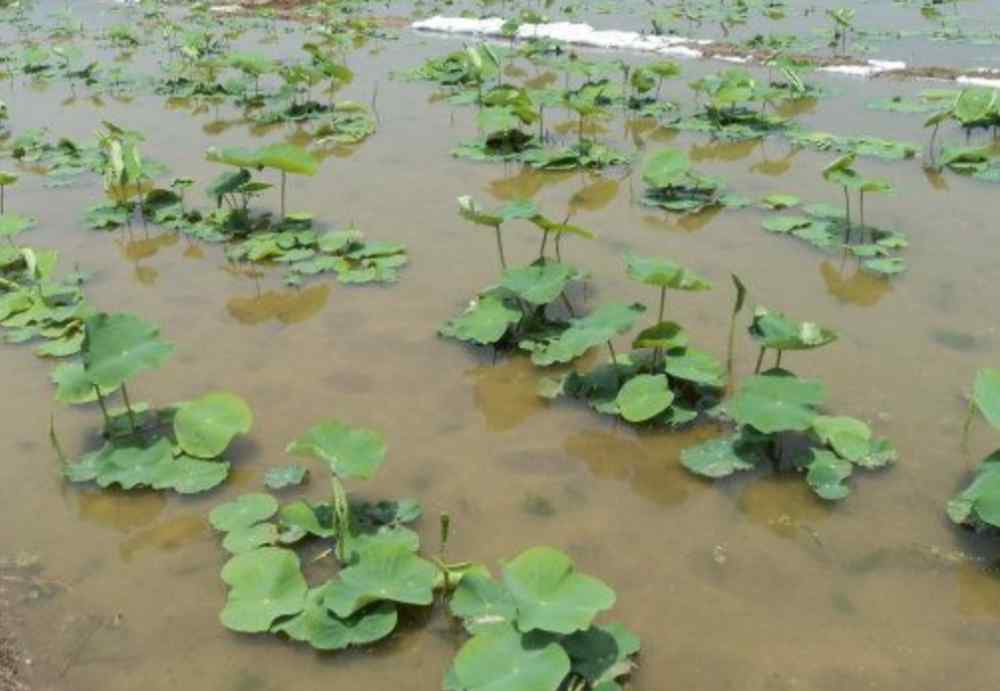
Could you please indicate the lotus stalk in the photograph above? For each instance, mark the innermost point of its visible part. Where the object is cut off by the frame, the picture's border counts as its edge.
(741, 293)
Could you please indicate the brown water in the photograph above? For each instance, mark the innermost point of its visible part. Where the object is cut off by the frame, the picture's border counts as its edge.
(750, 584)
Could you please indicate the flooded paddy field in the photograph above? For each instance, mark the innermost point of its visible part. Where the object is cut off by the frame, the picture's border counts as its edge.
(334, 260)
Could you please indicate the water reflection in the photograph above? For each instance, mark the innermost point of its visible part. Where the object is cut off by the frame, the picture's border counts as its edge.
(852, 285)
(796, 107)
(977, 590)
(506, 393)
(594, 196)
(648, 463)
(122, 511)
(135, 251)
(723, 151)
(166, 535)
(287, 307)
(526, 183)
(786, 506)
(775, 167)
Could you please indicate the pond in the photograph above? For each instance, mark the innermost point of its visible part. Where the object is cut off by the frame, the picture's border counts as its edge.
(753, 582)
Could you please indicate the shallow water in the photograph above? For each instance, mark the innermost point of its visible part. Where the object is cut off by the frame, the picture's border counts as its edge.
(749, 584)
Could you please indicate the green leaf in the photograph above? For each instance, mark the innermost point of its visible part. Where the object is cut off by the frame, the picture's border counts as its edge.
(249, 538)
(265, 584)
(974, 104)
(666, 168)
(205, 426)
(785, 224)
(73, 386)
(665, 335)
(717, 458)
(849, 437)
(243, 512)
(550, 595)
(116, 346)
(644, 397)
(538, 284)
(501, 659)
(773, 329)
(12, 225)
(601, 653)
(323, 631)
(980, 501)
(187, 475)
(583, 334)
(382, 571)
(776, 402)
(481, 602)
(351, 452)
(986, 395)
(695, 366)
(485, 321)
(826, 475)
(663, 273)
(781, 201)
(284, 476)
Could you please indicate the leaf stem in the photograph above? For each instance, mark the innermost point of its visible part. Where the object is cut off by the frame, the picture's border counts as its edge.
(104, 410)
(503, 259)
(128, 407)
(760, 360)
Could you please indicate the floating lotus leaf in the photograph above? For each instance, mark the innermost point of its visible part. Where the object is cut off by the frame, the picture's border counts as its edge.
(284, 476)
(382, 571)
(849, 437)
(126, 466)
(485, 321)
(695, 366)
(774, 330)
(323, 631)
(249, 538)
(481, 602)
(777, 402)
(601, 653)
(501, 659)
(888, 266)
(781, 201)
(12, 224)
(550, 595)
(665, 335)
(303, 516)
(539, 284)
(826, 475)
(979, 503)
(264, 584)
(644, 397)
(73, 386)
(717, 458)
(205, 426)
(584, 333)
(785, 224)
(187, 475)
(116, 346)
(351, 452)
(243, 512)
(663, 273)
(666, 168)
(986, 395)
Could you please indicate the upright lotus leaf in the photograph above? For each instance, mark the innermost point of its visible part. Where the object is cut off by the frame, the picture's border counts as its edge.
(351, 452)
(383, 570)
(125, 466)
(777, 402)
(323, 631)
(481, 602)
(849, 437)
(470, 210)
(501, 659)
(539, 283)
(841, 172)
(485, 321)
(665, 336)
(666, 168)
(302, 516)
(205, 426)
(826, 474)
(116, 346)
(601, 654)
(975, 104)
(663, 273)
(695, 366)
(73, 386)
(243, 512)
(773, 329)
(979, 503)
(549, 226)
(12, 225)
(264, 584)
(253, 64)
(523, 209)
(288, 158)
(496, 120)
(584, 333)
(550, 595)
(986, 395)
(644, 397)
(717, 458)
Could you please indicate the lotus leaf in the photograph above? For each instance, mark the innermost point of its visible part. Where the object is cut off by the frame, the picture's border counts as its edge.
(73, 386)
(250, 538)
(265, 584)
(319, 628)
(850, 438)
(12, 225)
(481, 602)
(501, 659)
(695, 366)
(774, 330)
(187, 475)
(540, 283)
(601, 653)
(664, 273)
(244, 512)
(718, 458)
(485, 321)
(986, 394)
(205, 427)
(382, 571)
(776, 402)
(285, 476)
(975, 104)
(665, 335)
(666, 168)
(826, 475)
(351, 452)
(979, 503)
(583, 334)
(550, 595)
(644, 397)
(116, 346)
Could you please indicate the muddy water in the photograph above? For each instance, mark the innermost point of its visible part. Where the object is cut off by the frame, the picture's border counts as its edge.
(750, 584)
